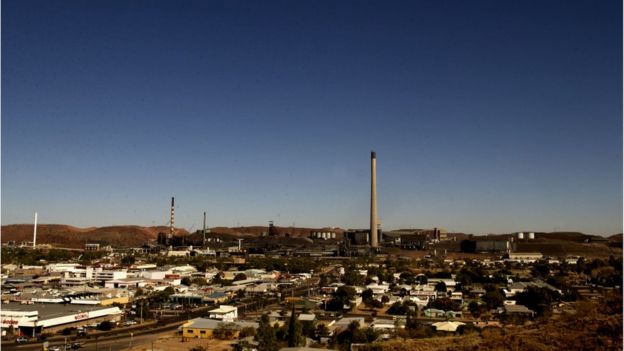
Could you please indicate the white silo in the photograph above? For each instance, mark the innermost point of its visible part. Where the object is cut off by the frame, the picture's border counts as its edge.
(520, 236)
(531, 236)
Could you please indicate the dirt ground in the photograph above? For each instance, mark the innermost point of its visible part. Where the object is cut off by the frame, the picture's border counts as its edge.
(173, 342)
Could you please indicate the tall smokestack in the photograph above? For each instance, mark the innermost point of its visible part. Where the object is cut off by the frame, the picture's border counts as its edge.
(373, 208)
(171, 219)
(35, 232)
(204, 228)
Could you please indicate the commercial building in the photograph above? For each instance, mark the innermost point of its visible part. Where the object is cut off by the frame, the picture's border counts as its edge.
(525, 256)
(92, 247)
(33, 319)
(103, 276)
(203, 328)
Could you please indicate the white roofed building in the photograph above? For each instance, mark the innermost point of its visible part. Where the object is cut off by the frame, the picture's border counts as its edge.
(224, 313)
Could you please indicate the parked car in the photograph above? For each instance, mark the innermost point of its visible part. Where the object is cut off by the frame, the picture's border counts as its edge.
(54, 348)
(21, 339)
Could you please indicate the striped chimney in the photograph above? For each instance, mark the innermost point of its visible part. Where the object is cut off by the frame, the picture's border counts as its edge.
(171, 219)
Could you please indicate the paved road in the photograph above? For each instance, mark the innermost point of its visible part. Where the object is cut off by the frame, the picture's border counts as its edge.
(122, 342)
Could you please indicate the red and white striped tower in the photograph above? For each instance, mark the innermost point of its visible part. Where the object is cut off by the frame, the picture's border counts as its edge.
(171, 220)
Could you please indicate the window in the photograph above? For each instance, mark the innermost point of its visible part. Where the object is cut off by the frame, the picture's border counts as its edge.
(190, 331)
(202, 332)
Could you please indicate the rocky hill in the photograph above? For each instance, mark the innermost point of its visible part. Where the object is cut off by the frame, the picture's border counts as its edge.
(73, 237)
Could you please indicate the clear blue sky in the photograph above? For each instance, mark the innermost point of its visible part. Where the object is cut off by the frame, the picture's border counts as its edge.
(487, 116)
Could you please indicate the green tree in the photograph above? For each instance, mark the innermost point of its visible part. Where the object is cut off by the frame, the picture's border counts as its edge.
(240, 293)
(267, 341)
(224, 332)
(493, 299)
(353, 277)
(367, 295)
(128, 260)
(422, 279)
(186, 281)
(410, 321)
(475, 309)
(541, 270)
(308, 329)
(247, 331)
(580, 265)
(444, 304)
(407, 277)
(397, 308)
(217, 279)
(322, 330)
(294, 335)
(441, 287)
(342, 296)
(537, 299)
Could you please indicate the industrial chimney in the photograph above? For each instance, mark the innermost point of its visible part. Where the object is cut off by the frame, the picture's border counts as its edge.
(204, 232)
(171, 219)
(35, 232)
(373, 208)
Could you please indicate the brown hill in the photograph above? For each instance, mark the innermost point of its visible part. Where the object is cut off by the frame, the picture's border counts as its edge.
(128, 235)
(72, 237)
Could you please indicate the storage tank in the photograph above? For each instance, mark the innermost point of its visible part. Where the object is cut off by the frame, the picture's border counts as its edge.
(531, 236)
(520, 236)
